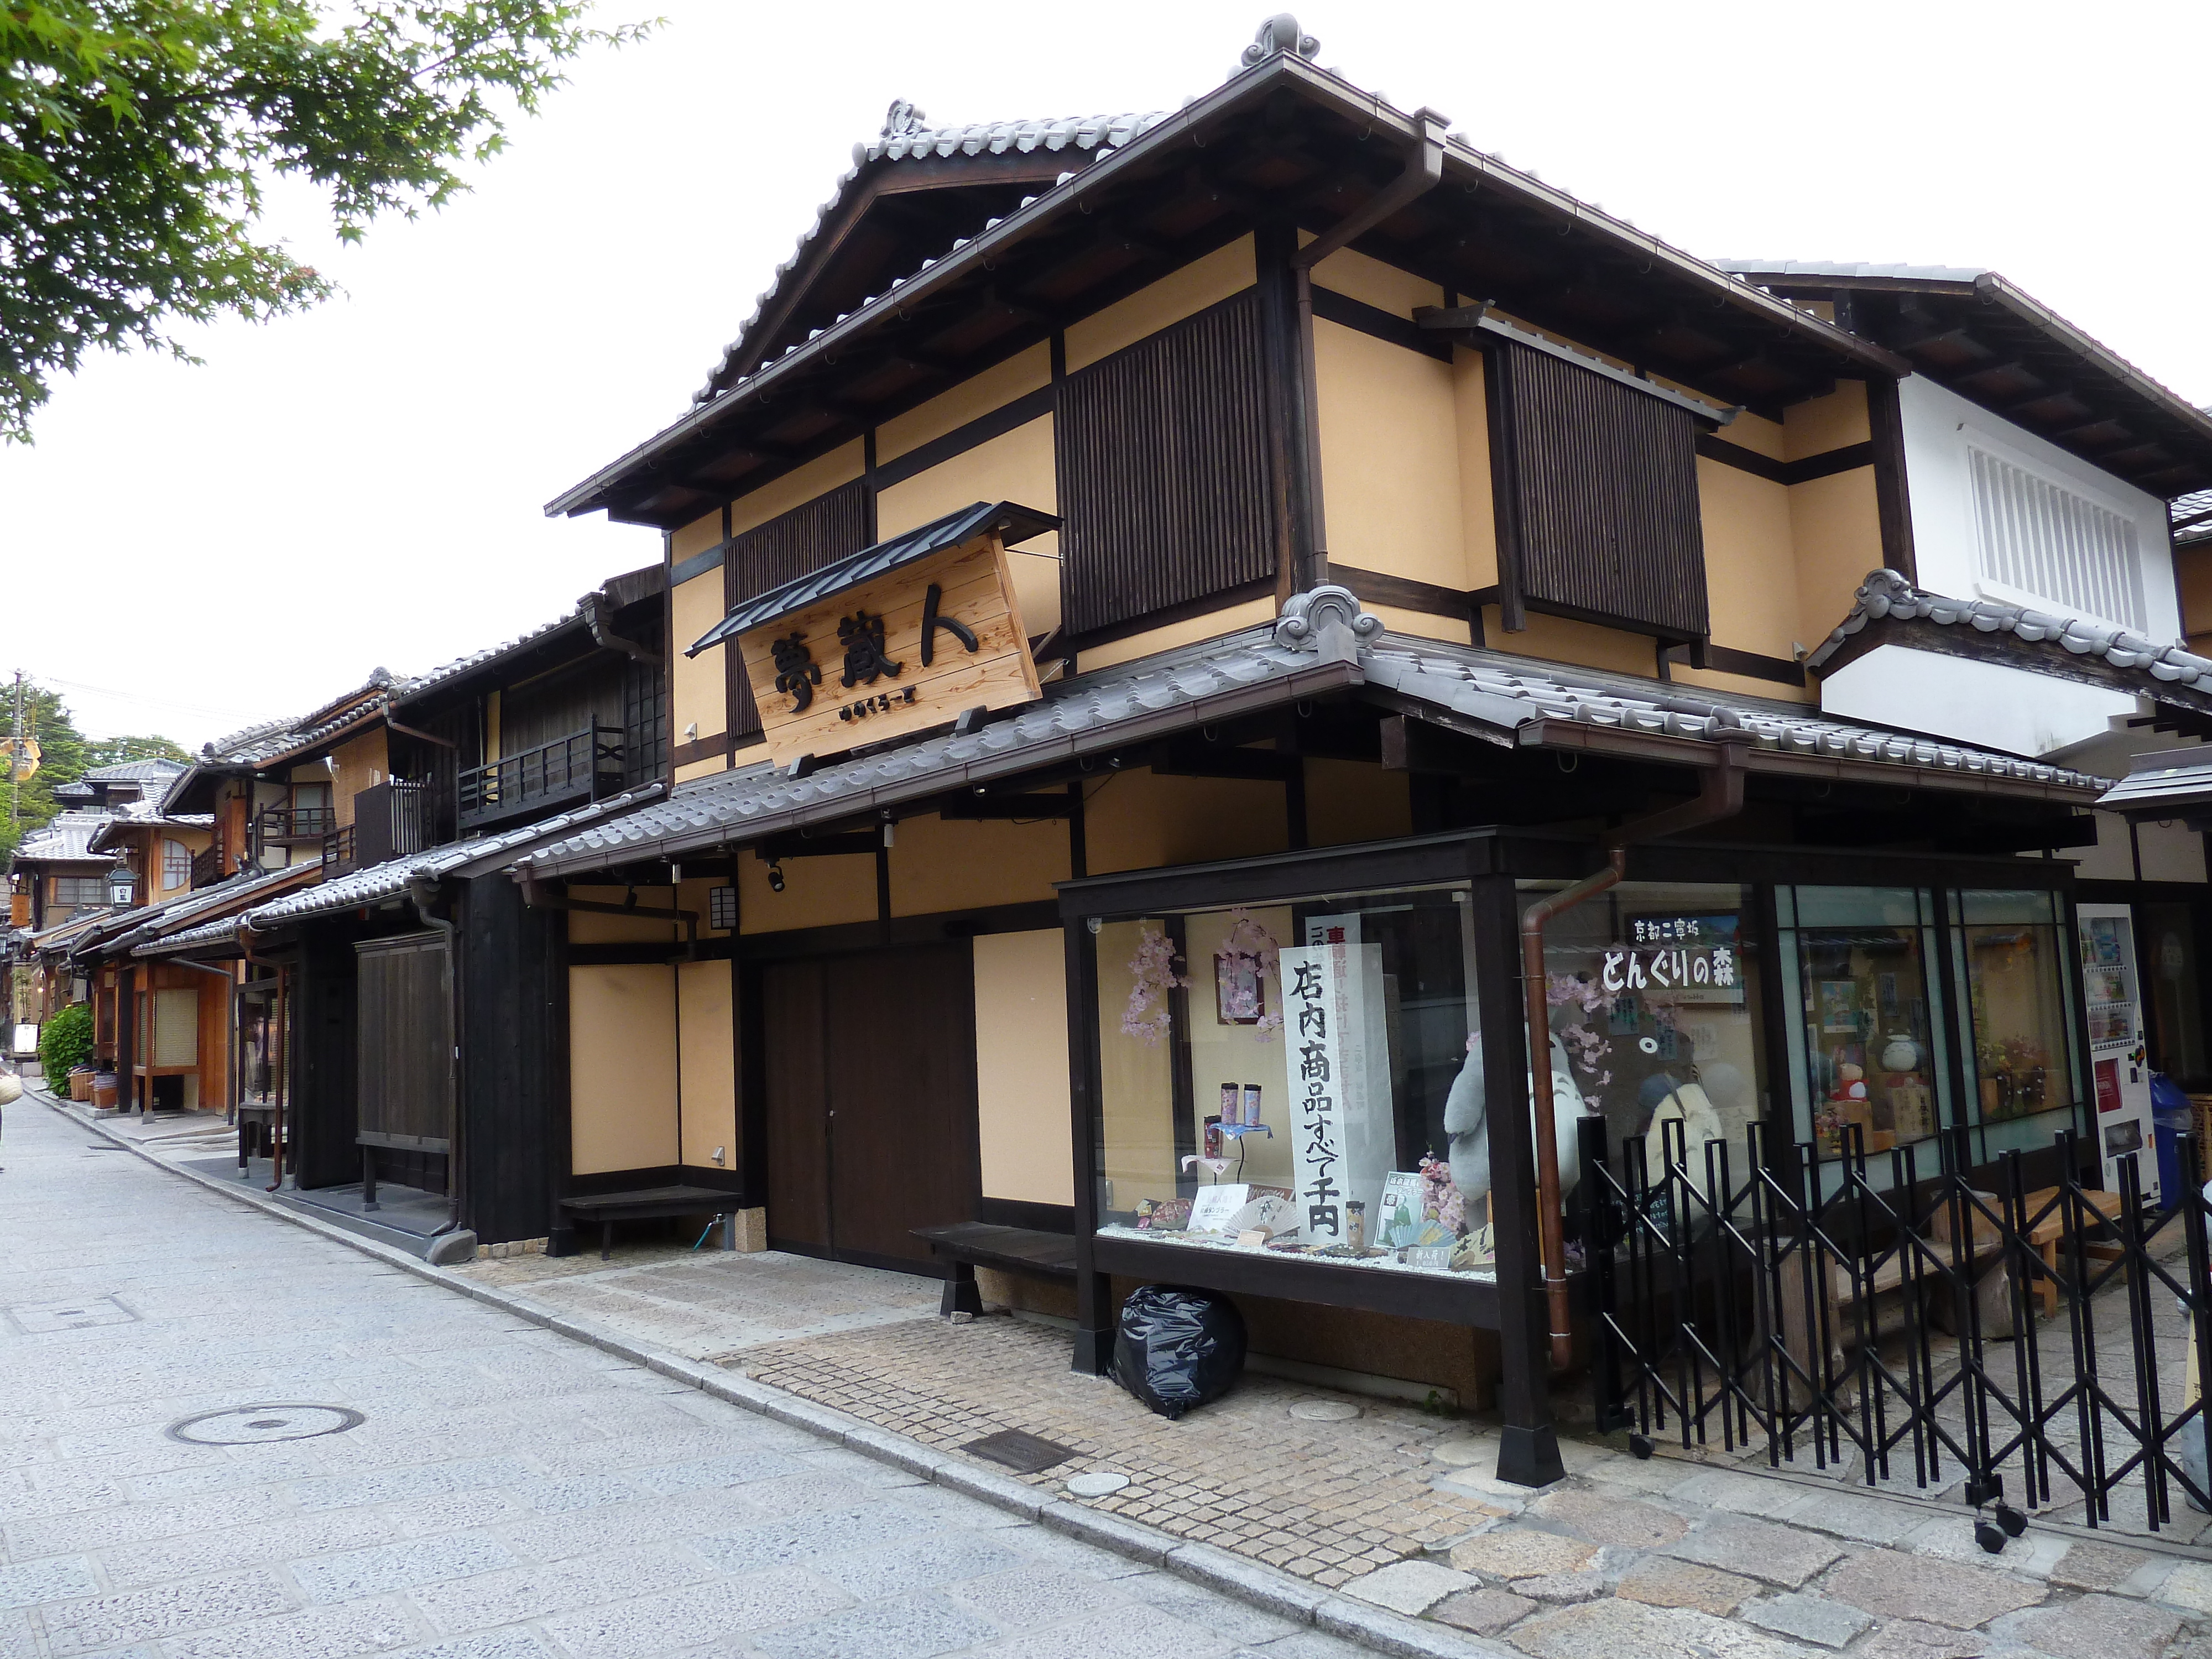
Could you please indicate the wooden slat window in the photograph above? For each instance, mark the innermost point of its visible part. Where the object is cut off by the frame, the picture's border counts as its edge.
(1600, 483)
(800, 541)
(406, 1041)
(1164, 476)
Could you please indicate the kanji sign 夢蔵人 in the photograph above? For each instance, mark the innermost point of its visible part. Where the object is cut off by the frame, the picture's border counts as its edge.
(899, 651)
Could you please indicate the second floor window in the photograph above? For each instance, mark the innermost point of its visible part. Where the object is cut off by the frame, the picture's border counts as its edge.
(2053, 544)
(80, 892)
(176, 864)
(311, 809)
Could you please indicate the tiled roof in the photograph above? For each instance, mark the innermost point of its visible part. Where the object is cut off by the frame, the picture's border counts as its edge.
(256, 744)
(155, 923)
(1258, 667)
(459, 665)
(2192, 518)
(1887, 594)
(2169, 782)
(907, 135)
(152, 769)
(389, 879)
(69, 835)
(1019, 524)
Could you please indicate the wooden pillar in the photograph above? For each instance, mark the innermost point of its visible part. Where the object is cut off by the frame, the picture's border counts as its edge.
(1287, 365)
(1094, 1290)
(126, 1035)
(1528, 1453)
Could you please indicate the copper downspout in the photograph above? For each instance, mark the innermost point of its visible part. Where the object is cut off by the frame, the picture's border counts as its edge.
(1720, 795)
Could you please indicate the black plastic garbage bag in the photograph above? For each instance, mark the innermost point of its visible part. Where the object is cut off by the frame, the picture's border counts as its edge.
(1178, 1347)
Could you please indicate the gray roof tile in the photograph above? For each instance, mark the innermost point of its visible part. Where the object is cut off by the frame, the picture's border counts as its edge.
(1257, 667)
(1887, 594)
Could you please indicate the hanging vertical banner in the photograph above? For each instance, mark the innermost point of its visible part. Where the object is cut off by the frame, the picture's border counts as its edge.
(1317, 1020)
(1365, 1090)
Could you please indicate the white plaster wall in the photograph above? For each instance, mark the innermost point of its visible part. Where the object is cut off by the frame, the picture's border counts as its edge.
(1938, 427)
(1985, 704)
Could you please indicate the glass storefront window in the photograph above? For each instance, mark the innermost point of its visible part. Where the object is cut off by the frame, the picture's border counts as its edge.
(1654, 990)
(1299, 1078)
(1866, 1033)
(2019, 1007)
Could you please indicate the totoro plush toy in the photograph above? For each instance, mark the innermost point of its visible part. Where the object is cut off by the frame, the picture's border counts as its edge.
(1467, 1120)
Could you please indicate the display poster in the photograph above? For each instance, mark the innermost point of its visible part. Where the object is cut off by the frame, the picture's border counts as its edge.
(1370, 1143)
(2118, 1062)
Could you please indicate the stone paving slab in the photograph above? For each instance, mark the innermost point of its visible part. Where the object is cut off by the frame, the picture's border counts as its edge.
(585, 1506)
(1709, 1557)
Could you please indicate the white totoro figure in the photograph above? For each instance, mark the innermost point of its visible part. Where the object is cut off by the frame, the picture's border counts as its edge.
(1467, 1120)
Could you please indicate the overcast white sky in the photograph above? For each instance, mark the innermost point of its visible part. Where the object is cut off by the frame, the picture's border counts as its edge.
(185, 549)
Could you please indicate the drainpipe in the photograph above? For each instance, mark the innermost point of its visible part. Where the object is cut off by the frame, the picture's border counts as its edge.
(423, 893)
(1720, 795)
(589, 605)
(1423, 172)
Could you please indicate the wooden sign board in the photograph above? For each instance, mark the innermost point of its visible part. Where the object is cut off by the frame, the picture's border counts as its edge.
(849, 669)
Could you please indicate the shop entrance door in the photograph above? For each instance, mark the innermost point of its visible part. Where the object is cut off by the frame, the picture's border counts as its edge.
(870, 1064)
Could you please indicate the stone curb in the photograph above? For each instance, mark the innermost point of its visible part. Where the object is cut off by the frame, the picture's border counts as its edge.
(1252, 1583)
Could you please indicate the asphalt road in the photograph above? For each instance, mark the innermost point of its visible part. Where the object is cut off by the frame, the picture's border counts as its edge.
(381, 1465)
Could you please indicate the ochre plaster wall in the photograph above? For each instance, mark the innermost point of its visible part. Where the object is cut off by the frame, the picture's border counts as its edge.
(1179, 294)
(1014, 466)
(817, 892)
(694, 538)
(622, 1068)
(973, 399)
(701, 693)
(1140, 820)
(1557, 639)
(708, 1054)
(796, 488)
(1751, 560)
(939, 864)
(1021, 1067)
(1820, 424)
(596, 928)
(1228, 620)
(1373, 283)
(1350, 800)
(1390, 458)
(700, 769)
(1477, 513)
(1836, 525)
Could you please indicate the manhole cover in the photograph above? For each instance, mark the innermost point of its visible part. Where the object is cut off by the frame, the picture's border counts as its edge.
(1025, 1453)
(1099, 1483)
(35, 1318)
(1324, 1410)
(254, 1425)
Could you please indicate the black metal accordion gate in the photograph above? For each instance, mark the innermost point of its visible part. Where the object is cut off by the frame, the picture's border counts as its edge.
(1928, 1326)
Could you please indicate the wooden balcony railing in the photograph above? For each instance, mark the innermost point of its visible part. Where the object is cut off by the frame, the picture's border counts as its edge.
(583, 766)
(389, 821)
(207, 867)
(285, 826)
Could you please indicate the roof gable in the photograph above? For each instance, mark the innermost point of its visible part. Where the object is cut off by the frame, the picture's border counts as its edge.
(910, 197)
(1977, 335)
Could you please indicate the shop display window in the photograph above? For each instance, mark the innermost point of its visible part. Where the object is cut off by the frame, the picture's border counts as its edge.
(1300, 1079)
(2170, 989)
(2021, 1085)
(1867, 1049)
(1654, 992)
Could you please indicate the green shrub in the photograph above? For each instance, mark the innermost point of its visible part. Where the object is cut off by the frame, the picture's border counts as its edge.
(65, 1042)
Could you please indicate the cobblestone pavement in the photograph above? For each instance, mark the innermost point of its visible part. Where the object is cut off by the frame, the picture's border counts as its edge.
(1674, 1558)
(508, 1493)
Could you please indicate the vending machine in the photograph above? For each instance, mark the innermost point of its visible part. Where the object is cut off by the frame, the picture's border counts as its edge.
(2119, 1065)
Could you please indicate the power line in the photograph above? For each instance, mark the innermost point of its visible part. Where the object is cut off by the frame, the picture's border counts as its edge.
(152, 703)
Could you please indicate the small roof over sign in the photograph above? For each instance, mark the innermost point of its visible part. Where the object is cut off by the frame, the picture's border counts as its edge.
(1015, 525)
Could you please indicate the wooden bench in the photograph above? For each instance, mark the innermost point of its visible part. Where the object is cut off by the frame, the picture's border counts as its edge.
(964, 1246)
(647, 1203)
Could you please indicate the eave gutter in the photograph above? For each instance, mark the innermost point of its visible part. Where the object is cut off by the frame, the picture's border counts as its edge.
(1329, 90)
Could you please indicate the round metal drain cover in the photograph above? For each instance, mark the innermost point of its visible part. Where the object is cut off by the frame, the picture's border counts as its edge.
(254, 1425)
